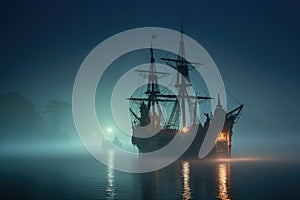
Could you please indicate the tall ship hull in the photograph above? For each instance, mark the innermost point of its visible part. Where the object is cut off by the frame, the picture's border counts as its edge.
(221, 149)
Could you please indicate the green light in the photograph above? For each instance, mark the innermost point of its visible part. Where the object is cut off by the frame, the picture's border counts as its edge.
(109, 130)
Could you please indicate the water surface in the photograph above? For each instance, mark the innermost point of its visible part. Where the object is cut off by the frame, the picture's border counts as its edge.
(82, 177)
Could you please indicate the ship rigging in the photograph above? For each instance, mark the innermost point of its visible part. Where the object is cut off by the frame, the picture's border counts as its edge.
(152, 129)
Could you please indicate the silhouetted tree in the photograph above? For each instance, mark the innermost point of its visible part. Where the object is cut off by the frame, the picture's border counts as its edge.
(18, 117)
(60, 115)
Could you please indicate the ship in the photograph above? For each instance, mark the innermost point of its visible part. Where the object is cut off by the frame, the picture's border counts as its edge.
(154, 127)
(117, 142)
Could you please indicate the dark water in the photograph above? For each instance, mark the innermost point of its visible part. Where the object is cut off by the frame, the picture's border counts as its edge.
(82, 177)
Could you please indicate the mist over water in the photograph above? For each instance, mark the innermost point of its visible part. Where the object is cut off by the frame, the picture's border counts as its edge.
(43, 158)
(64, 174)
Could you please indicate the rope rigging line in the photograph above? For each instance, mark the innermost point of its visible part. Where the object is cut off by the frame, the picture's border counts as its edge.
(227, 92)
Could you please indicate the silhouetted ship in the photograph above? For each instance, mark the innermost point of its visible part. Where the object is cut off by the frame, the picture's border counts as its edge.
(149, 119)
(107, 144)
(117, 142)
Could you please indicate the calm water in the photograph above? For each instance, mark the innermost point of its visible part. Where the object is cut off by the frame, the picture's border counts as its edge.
(82, 177)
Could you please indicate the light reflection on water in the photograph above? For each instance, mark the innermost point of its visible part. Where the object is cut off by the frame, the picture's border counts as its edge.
(222, 177)
(193, 177)
(223, 180)
(185, 173)
(110, 189)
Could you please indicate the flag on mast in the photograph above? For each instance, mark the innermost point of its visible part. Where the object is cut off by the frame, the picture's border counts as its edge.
(153, 36)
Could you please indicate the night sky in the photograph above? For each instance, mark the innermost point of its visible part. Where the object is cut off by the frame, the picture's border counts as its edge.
(255, 45)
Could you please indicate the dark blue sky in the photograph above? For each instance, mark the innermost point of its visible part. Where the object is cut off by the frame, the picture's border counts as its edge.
(255, 45)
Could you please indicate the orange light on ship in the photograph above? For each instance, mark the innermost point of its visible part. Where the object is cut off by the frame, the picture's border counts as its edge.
(185, 129)
(221, 137)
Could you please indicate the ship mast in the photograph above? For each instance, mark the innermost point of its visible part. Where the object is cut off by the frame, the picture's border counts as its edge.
(154, 96)
(183, 83)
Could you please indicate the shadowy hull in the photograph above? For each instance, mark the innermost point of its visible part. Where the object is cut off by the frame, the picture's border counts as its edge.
(221, 149)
